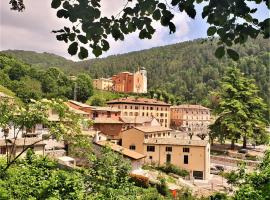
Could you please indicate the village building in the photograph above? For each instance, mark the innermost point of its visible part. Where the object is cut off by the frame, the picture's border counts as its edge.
(135, 121)
(103, 84)
(190, 117)
(136, 159)
(20, 144)
(96, 111)
(143, 107)
(161, 146)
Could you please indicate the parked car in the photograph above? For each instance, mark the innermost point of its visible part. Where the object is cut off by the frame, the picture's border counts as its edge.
(242, 151)
(220, 167)
(214, 171)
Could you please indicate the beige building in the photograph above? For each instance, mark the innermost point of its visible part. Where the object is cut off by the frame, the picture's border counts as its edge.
(103, 84)
(143, 107)
(195, 117)
(161, 146)
(131, 122)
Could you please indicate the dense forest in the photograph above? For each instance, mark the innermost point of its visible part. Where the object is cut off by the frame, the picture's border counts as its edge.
(188, 70)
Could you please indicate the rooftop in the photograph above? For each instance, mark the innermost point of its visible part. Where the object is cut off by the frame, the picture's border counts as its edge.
(150, 129)
(126, 152)
(190, 106)
(101, 120)
(142, 101)
(98, 108)
(176, 141)
(136, 120)
(83, 105)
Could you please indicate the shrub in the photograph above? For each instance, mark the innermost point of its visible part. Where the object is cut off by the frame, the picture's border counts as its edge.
(170, 168)
(163, 188)
(139, 180)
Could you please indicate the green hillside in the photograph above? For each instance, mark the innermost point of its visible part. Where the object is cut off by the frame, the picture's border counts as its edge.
(188, 70)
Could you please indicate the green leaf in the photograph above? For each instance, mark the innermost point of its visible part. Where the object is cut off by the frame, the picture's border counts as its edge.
(211, 30)
(105, 45)
(172, 27)
(233, 54)
(82, 39)
(83, 53)
(73, 48)
(156, 15)
(55, 3)
(175, 2)
(97, 51)
(220, 52)
(191, 12)
(62, 13)
(162, 6)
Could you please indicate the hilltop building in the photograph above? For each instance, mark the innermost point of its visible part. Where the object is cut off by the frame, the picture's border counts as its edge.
(103, 84)
(125, 82)
(143, 107)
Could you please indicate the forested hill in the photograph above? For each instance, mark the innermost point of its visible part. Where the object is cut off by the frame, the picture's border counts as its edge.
(189, 70)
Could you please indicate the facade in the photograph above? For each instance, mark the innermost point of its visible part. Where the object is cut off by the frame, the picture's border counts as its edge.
(136, 159)
(160, 146)
(195, 117)
(143, 107)
(103, 84)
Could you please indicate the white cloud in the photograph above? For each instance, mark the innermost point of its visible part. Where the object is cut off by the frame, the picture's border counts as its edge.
(31, 30)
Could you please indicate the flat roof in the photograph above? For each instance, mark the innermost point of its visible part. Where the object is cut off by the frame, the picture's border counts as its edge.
(175, 141)
(101, 120)
(142, 101)
(126, 152)
(150, 129)
(136, 119)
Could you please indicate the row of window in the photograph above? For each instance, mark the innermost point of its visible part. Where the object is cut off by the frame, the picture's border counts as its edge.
(144, 108)
(154, 135)
(145, 114)
(168, 149)
(169, 158)
(192, 112)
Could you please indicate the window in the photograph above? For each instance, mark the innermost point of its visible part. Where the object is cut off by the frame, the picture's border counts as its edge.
(185, 159)
(3, 150)
(186, 150)
(143, 114)
(136, 107)
(198, 175)
(146, 136)
(132, 147)
(136, 113)
(130, 107)
(125, 107)
(131, 114)
(150, 157)
(169, 149)
(151, 148)
(143, 107)
(151, 108)
(168, 158)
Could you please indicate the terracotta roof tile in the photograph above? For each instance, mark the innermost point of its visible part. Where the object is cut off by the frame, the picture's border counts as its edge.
(126, 152)
(133, 100)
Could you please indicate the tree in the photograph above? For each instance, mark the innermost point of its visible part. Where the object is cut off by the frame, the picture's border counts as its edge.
(83, 87)
(108, 176)
(97, 101)
(241, 113)
(252, 185)
(232, 21)
(25, 118)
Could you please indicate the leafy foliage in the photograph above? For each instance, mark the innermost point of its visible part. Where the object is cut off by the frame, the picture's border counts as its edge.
(241, 113)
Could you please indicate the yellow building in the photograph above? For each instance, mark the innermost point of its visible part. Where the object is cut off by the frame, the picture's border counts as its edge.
(161, 147)
(103, 84)
(143, 107)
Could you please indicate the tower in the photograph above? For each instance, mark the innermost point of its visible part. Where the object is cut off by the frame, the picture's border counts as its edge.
(144, 75)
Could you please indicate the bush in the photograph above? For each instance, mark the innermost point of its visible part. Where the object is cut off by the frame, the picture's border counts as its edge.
(139, 180)
(163, 188)
(170, 168)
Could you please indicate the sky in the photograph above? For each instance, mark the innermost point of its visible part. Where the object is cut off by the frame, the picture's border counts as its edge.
(31, 29)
